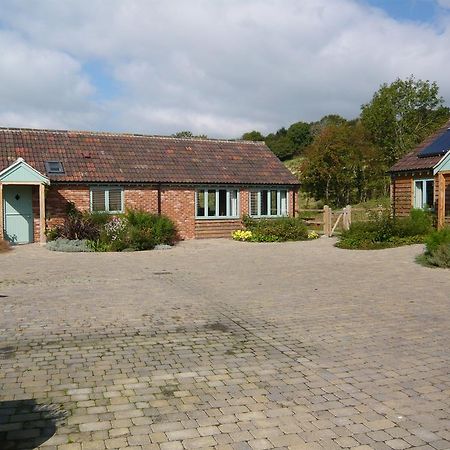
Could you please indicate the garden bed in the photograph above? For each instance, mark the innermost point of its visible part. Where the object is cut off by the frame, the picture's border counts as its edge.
(99, 232)
(383, 231)
(280, 229)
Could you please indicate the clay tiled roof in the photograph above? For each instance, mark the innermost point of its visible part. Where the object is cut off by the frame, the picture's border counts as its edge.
(130, 158)
(411, 161)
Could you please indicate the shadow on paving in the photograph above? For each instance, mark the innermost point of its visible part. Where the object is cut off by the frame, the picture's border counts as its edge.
(25, 424)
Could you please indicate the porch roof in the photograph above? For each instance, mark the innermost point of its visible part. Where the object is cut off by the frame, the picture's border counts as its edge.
(21, 172)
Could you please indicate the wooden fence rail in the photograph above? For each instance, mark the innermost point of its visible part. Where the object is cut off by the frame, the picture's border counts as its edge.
(330, 221)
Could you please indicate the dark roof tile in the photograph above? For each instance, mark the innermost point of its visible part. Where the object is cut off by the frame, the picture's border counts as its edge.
(143, 159)
(412, 161)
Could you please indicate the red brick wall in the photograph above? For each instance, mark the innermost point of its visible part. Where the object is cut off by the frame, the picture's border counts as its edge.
(145, 198)
(36, 223)
(57, 198)
(176, 203)
(179, 205)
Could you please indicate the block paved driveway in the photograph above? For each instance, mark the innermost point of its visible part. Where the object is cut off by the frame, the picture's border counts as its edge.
(224, 344)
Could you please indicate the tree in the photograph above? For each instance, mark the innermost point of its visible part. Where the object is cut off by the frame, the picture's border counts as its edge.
(342, 166)
(186, 134)
(253, 136)
(401, 114)
(299, 134)
(330, 119)
(280, 144)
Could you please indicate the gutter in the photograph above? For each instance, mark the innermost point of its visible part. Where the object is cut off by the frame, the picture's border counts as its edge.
(159, 199)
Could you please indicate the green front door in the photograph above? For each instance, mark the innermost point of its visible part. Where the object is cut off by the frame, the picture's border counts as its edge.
(18, 210)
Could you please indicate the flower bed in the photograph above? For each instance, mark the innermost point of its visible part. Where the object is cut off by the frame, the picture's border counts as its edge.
(273, 230)
(99, 232)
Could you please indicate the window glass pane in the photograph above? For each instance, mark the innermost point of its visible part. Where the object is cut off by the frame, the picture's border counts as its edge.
(222, 202)
(115, 200)
(201, 203)
(418, 195)
(283, 203)
(98, 200)
(253, 203)
(264, 203)
(233, 203)
(273, 203)
(430, 194)
(211, 203)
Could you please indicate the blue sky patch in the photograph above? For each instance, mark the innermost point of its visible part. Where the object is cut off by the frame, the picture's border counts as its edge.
(409, 10)
(100, 76)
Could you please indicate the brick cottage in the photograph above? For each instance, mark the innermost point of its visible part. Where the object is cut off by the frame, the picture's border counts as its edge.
(204, 185)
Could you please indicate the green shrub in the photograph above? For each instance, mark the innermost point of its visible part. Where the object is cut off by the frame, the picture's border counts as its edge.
(69, 245)
(99, 246)
(79, 225)
(141, 238)
(135, 230)
(440, 257)
(437, 251)
(276, 230)
(163, 228)
(419, 223)
(382, 231)
(164, 231)
(437, 238)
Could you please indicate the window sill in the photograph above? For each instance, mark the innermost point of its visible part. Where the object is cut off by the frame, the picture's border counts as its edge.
(269, 217)
(218, 218)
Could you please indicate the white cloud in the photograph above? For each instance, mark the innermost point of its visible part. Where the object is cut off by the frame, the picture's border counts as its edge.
(444, 3)
(221, 67)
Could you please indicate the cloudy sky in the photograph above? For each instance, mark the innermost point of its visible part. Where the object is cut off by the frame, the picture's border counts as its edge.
(219, 67)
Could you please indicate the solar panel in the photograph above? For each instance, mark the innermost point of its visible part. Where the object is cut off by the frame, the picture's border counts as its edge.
(439, 146)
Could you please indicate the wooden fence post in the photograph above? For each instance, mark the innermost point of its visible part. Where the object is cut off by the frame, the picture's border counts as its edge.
(347, 217)
(327, 220)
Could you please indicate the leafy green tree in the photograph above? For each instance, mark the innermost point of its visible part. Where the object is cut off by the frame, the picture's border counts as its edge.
(186, 134)
(253, 136)
(281, 144)
(330, 119)
(342, 166)
(402, 114)
(300, 135)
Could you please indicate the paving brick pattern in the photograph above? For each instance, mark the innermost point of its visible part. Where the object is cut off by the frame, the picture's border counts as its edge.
(219, 344)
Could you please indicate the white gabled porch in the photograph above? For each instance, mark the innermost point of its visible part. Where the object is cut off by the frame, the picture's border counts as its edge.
(16, 202)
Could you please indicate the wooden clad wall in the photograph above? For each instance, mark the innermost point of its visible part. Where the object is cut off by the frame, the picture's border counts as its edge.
(216, 228)
(402, 190)
(447, 199)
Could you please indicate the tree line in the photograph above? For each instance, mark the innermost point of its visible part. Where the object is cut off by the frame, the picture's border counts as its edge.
(342, 161)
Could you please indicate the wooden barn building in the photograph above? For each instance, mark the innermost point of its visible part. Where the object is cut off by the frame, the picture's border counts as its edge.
(421, 179)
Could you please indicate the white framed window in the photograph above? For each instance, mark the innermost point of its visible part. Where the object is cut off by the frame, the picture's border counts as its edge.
(106, 199)
(217, 203)
(424, 194)
(268, 203)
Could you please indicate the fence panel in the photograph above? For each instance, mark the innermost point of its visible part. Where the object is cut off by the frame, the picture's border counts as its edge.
(330, 222)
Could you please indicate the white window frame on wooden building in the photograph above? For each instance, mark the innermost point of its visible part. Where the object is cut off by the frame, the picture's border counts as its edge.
(422, 193)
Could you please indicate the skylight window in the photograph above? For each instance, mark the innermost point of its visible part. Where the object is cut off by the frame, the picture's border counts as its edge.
(54, 167)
